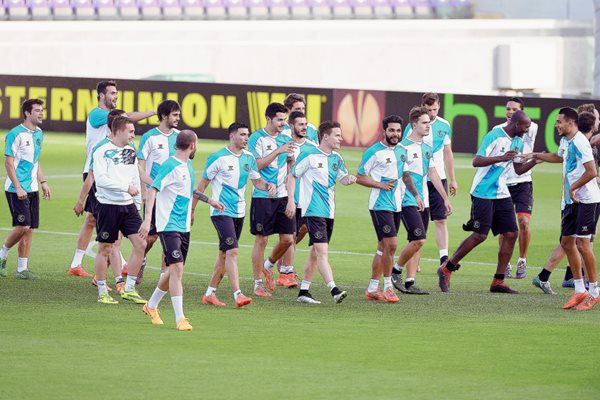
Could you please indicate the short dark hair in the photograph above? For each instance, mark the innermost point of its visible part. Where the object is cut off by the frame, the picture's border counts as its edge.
(112, 114)
(101, 86)
(273, 109)
(119, 123)
(589, 107)
(586, 121)
(569, 113)
(295, 115)
(166, 107)
(28, 104)
(429, 99)
(326, 127)
(392, 119)
(185, 139)
(415, 113)
(235, 126)
(517, 100)
(293, 98)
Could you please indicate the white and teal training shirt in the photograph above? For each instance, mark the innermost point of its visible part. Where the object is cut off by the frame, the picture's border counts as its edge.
(575, 153)
(440, 135)
(385, 164)
(490, 182)
(312, 133)
(25, 147)
(528, 143)
(155, 148)
(418, 160)
(298, 149)
(96, 129)
(318, 173)
(261, 144)
(229, 173)
(173, 207)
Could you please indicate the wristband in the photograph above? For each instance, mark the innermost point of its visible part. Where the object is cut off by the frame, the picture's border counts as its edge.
(200, 196)
(42, 182)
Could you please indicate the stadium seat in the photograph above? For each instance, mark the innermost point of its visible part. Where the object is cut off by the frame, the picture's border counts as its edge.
(84, 9)
(258, 9)
(215, 9)
(39, 9)
(61, 9)
(279, 9)
(320, 9)
(128, 9)
(402, 8)
(342, 9)
(362, 9)
(150, 9)
(16, 9)
(300, 9)
(106, 9)
(2, 10)
(236, 9)
(193, 9)
(422, 8)
(463, 8)
(383, 9)
(170, 9)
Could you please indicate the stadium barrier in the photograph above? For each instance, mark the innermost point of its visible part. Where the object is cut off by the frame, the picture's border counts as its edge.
(209, 108)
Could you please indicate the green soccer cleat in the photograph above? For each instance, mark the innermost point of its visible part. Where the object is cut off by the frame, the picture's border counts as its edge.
(133, 296)
(2, 267)
(27, 274)
(105, 298)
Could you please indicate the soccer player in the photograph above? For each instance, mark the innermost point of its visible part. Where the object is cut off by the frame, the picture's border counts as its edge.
(580, 201)
(297, 102)
(273, 151)
(96, 130)
(23, 172)
(169, 203)
(228, 170)
(298, 130)
(318, 169)
(491, 204)
(424, 174)
(521, 191)
(156, 146)
(117, 184)
(443, 159)
(382, 165)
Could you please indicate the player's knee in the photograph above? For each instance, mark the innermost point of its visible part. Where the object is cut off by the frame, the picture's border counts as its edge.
(104, 249)
(583, 246)
(390, 245)
(479, 237)
(261, 241)
(231, 253)
(418, 243)
(286, 240)
(523, 223)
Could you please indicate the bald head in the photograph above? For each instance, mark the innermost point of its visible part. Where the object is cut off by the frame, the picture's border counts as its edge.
(520, 116)
(519, 123)
(185, 139)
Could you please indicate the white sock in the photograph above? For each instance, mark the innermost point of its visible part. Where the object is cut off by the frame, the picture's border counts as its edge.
(21, 264)
(257, 283)
(4, 252)
(398, 267)
(443, 252)
(330, 285)
(156, 298)
(304, 285)
(523, 260)
(101, 287)
(579, 286)
(77, 258)
(287, 269)
(594, 289)
(387, 282)
(373, 285)
(123, 260)
(236, 294)
(379, 252)
(177, 307)
(410, 279)
(118, 279)
(210, 290)
(268, 264)
(130, 283)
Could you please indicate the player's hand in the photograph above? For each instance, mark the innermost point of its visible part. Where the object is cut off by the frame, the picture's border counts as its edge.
(286, 148)
(220, 207)
(290, 209)
(351, 179)
(46, 191)
(271, 190)
(573, 196)
(387, 186)
(509, 155)
(453, 187)
(192, 217)
(528, 156)
(133, 191)
(420, 204)
(78, 208)
(21, 194)
(144, 229)
(448, 207)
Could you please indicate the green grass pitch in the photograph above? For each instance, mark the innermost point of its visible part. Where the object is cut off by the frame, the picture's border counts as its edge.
(57, 342)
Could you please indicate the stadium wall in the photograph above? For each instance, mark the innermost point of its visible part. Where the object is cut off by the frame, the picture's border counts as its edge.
(209, 108)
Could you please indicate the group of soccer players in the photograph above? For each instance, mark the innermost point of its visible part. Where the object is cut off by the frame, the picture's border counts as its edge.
(294, 168)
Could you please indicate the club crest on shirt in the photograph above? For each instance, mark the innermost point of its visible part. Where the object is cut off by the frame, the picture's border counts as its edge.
(246, 167)
(38, 142)
(440, 133)
(403, 158)
(335, 167)
(427, 155)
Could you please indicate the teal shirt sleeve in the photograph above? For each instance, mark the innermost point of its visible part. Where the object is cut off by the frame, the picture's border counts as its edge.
(98, 117)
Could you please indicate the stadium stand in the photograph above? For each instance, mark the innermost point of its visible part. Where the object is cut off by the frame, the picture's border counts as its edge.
(233, 9)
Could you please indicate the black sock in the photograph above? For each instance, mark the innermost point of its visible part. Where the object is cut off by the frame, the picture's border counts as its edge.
(500, 277)
(442, 259)
(303, 292)
(408, 284)
(568, 273)
(544, 275)
(396, 271)
(335, 291)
